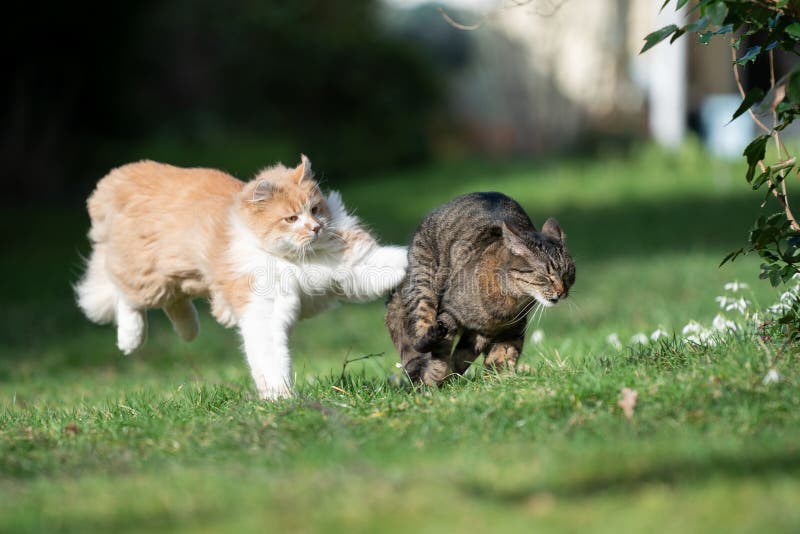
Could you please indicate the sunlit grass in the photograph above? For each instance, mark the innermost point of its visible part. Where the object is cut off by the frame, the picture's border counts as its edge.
(173, 437)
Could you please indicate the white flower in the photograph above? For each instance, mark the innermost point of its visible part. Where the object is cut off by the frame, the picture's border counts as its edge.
(613, 340)
(771, 377)
(788, 297)
(692, 327)
(398, 365)
(658, 334)
(537, 337)
(728, 303)
(698, 335)
(722, 324)
(779, 308)
(640, 338)
(735, 286)
(707, 338)
(739, 305)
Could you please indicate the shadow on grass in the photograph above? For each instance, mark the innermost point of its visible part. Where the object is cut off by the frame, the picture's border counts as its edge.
(678, 471)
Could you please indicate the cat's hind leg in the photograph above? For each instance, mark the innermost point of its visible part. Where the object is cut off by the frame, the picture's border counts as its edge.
(131, 326)
(102, 302)
(183, 316)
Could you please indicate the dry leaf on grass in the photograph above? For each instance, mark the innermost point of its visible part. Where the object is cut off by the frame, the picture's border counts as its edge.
(628, 401)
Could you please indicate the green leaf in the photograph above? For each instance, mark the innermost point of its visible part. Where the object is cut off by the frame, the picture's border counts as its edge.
(723, 29)
(793, 30)
(681, 3)
(753, 96)
(698, 25)
(750, 55)
(793, 88)
(732, 256)
(676, 35)
(715, 13)
(754, 152)
(705, 37)
(657, 36)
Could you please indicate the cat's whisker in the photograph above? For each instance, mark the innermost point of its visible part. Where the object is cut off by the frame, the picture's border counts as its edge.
(525, 309)
(532, 320)
(541, 314)
(520, 314)
(528, 323)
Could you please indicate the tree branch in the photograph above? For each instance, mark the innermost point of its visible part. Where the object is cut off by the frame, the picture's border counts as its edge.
(447, 18)
(781, 195)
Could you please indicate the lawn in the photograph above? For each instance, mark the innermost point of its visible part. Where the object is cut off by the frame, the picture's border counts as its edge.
(173, 437)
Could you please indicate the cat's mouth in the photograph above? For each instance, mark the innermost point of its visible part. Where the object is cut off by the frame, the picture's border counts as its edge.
(311, 238)
(545, 301)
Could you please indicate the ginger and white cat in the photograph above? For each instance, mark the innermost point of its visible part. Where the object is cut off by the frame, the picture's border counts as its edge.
(266, 253)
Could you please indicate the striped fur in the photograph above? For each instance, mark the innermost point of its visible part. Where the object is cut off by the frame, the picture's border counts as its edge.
(477, 268)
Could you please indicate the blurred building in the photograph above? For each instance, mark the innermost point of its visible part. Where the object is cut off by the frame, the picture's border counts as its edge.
(548, 74)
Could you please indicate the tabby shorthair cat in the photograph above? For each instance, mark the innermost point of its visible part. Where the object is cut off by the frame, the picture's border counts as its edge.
(477, 267)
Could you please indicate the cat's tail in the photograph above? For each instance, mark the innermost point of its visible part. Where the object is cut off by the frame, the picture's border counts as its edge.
(95, 292)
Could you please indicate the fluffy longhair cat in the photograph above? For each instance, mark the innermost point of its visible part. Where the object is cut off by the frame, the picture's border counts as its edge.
(477, 267)
(266, 253)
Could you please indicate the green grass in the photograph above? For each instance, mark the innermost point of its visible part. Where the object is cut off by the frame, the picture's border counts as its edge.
(173, 438)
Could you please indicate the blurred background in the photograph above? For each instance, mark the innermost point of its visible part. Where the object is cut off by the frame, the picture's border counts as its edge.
(361, 86)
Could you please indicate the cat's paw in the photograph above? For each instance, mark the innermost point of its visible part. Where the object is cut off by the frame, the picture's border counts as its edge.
(128, 341)
(131, 329)
(502, 357)
(435, 373)
(274, 392)
(435, 334)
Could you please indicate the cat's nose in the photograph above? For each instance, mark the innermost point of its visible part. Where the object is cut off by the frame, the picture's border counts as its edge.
(316, 227)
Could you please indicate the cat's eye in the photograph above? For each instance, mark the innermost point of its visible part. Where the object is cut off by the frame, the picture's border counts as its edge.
(314, 210)
(290, 219)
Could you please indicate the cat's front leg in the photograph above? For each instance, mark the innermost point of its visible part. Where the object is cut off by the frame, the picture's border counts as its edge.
(442, 331)
(265, 325)
(376, 272)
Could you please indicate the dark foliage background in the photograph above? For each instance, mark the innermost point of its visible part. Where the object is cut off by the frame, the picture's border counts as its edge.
(93, 85)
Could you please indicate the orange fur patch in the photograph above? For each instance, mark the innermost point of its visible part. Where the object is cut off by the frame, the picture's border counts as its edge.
(166, 230)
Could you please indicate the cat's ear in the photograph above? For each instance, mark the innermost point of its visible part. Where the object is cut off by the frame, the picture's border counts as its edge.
(303, 171)
(513, 242)
(551, 228)
(262, 190)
